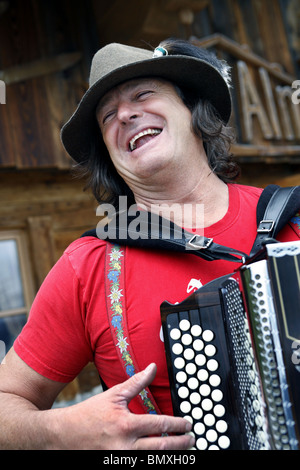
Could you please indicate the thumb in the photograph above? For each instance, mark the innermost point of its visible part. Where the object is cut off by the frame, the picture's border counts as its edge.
(133, 386)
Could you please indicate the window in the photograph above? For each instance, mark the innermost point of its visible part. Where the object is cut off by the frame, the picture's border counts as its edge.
(16, 288)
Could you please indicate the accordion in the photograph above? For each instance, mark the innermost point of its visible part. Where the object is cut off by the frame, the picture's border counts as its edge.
(232, 355)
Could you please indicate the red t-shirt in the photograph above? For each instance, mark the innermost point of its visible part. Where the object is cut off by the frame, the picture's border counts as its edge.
(68, 323)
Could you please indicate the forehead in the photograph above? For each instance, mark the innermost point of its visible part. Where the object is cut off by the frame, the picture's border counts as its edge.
(130, 85)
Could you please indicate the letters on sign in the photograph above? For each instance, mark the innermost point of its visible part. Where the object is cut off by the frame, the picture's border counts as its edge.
(276, 112)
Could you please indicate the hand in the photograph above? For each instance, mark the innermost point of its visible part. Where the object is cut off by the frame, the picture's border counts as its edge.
(105, 422)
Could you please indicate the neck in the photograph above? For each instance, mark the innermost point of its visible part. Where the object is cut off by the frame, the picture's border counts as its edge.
(197, 203)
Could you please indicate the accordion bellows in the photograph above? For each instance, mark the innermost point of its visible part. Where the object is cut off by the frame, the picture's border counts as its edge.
(232, 355)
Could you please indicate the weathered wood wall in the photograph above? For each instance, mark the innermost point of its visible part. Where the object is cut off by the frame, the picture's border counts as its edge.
(52, 43)
(50, 207)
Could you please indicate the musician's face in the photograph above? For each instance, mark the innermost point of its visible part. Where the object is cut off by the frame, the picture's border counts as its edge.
(147, 130)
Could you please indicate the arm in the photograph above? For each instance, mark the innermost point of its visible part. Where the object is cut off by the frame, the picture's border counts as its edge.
(101, 422)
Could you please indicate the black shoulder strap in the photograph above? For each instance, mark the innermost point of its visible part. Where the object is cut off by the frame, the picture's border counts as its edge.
(275, 209)
(145, 231)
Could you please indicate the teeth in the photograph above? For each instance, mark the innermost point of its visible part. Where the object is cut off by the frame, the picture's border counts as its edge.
(132, 145)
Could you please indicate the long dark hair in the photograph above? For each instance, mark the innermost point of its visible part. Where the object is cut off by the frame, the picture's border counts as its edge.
(101, 175)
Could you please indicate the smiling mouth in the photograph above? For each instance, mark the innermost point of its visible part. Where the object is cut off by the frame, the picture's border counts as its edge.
(142, 138)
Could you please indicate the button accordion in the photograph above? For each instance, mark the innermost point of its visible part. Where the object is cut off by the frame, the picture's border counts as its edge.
(232, 355)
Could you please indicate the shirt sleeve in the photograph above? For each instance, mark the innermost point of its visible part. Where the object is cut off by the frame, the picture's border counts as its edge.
(54, 341)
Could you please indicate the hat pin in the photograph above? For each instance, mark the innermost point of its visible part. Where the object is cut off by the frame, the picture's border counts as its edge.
(159, 52)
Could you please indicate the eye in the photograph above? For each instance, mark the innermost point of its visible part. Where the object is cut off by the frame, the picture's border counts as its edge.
(143, 94)
(108, 116)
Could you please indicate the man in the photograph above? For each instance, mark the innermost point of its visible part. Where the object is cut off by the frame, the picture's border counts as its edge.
(151, 127)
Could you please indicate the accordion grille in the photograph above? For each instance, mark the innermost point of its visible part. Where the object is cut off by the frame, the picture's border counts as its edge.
(247, 376)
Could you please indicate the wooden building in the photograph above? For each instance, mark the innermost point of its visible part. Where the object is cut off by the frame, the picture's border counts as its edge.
(46, 47)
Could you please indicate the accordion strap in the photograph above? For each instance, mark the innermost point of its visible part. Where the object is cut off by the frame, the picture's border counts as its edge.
(160, 233)
(117, 318)
(275, 208)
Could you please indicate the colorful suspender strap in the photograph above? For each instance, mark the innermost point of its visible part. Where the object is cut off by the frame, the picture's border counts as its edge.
(117, 318)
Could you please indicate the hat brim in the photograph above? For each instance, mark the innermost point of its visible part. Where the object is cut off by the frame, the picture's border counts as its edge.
(188, 72)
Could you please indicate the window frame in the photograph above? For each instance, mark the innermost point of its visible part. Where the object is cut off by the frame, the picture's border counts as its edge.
(25, 271)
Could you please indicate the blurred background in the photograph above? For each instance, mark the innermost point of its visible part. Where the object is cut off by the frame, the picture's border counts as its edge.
(46, 47)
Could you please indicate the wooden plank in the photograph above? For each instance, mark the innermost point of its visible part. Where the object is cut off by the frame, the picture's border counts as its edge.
(115, 22)
(291, 180)
(222, 19)
(43, 250)
(7, 157)
(240, 31)
(40, 193)
(246, 21)
(285, 151)
(232, 47)
(273, 34)
(35, 109)
(26, 108)
(39, 67)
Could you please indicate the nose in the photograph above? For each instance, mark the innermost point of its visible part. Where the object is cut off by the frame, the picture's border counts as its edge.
(127, 112)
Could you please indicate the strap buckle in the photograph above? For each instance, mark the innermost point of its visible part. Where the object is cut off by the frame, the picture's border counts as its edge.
(196, 239)
(265, 226)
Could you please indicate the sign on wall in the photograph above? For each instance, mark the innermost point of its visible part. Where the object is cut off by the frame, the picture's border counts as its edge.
(266, 104)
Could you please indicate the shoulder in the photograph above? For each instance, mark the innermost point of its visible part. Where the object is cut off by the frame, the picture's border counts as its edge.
(84, 255)
(246, 191)
(243, 198)
(85, 245)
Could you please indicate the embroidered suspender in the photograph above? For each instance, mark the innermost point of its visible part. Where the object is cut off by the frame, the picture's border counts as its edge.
(117, 318)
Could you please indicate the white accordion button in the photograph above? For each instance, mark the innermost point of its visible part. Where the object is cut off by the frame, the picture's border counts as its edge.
(179, 363)
(189, 354)
(190, 368)
(198, 345)
(208, 335)
(224, 442)
(200, 359)
(193, 383)
(175, 333)
(177, 348)
(184, 325)
(202, 375)
(210, 350)
(209, 419)
(181, 377)
(221, 426)
(196, 330)
(197, 413)
(183, 392)
(207, 404)
(195, 398)
(217, 395)
(215, 380)
(212, 365)
(211, 435)
(186, 339)
(204, 390)
(185, 407)
(199, 428)
(219, 411)
(201, 443)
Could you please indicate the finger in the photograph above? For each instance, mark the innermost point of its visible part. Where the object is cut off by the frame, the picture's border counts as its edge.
(133, 386)
(182, 442)
(146, 425)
